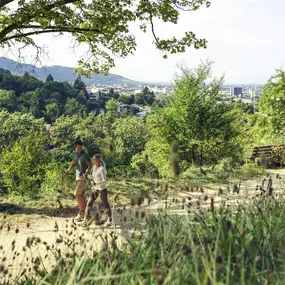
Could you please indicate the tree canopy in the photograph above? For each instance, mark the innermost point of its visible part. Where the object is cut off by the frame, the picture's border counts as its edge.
(272, 102)
(101, 24)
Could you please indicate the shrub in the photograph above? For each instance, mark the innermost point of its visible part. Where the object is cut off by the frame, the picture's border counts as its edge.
(23, 164)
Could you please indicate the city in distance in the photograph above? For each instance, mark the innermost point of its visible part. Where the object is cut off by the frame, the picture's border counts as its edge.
(121, 84)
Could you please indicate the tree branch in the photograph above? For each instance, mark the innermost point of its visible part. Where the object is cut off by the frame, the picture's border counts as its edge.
(16, 25)
(34, 33)
(5, 2)
(70, 29)
(152, 30)
(48, 29)
(59, 3)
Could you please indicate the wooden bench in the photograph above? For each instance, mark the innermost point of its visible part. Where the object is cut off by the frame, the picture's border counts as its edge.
(265, 150)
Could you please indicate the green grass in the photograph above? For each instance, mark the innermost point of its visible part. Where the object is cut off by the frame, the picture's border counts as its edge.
(230, 245)
(220, 174)
(60, 201)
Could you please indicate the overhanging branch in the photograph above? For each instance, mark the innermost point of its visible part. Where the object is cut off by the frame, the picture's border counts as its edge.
(5, 2)
(23, 35)
(70, 29)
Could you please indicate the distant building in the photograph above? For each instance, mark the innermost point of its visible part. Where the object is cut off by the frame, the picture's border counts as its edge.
(237, 91)
(93, 96)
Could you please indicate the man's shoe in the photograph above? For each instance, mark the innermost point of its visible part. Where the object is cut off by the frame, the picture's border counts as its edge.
(80, 216)
(86, 222)
(81, 223)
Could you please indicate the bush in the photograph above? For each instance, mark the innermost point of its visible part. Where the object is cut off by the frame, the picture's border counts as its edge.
(277, 157)
(55, 179)
(23, 164)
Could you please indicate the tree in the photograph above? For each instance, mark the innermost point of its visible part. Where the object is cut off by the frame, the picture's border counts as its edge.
(67, 128)
(15, 125)
(102, 24)
(35, 104)
(203, 129)
(8, 100)
(112, 110)
(19, 84)
(73, 107)
(144, 98)
(79, 84)
(23, 165)
(271, 105)
(131, 136)
(49, 78)
(146, 91)
(113, 94)
(125, 99)
(52, 112)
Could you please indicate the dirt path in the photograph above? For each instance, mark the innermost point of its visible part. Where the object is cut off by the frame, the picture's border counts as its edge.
(42, 232)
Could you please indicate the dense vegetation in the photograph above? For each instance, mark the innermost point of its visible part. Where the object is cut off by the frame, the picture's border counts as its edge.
(190, 127)
(192, 135)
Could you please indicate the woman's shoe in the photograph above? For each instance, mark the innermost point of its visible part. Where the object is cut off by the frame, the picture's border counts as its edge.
(109, 223)
(80, 216)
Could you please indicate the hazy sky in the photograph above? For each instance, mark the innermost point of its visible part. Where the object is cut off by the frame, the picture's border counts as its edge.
(245, 40)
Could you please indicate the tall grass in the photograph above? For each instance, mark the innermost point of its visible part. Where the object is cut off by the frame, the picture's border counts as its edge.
(229, 245)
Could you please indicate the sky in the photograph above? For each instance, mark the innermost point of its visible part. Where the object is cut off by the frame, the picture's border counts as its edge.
(245, 41)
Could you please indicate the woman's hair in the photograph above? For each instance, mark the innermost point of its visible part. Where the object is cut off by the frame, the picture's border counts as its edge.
(101, 161)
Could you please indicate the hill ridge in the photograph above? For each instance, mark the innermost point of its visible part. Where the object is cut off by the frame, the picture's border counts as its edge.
(62, 73)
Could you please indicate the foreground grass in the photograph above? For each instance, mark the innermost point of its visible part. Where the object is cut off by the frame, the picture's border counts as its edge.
(229, 245)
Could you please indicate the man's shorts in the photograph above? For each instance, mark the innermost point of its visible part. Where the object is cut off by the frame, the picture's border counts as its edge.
(80, 185)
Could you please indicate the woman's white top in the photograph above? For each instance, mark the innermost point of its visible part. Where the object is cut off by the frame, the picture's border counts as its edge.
(99, 177)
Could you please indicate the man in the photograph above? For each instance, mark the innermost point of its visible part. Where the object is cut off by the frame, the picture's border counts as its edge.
(81, 160)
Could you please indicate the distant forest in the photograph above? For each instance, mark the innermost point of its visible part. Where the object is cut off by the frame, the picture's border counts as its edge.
(52, 99)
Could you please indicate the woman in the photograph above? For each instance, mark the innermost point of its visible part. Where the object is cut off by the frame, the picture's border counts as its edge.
(98, 181)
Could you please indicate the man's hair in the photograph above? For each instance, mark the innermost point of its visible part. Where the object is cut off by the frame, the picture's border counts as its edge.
(78, 142)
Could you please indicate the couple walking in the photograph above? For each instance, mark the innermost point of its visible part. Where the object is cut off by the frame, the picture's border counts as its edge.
(81, 160)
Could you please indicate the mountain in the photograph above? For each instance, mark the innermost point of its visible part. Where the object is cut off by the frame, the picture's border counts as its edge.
(62, 73)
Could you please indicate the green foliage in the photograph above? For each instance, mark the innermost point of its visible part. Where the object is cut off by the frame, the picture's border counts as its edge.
(204, 129)
(79, 85)
(112, 110)
(23, 20)
(67, 129)
(23, 164)
(52, 112)
(131, 136)
(16, 125)
(73, 107)
(271, 104)
(158, 153)
(277, 157)
(49, 100)
(144, 99)
(49, 78)
(53, 87)
(62, 136)
(19, 84)
(127, 99)
(55, 180)
(7, 100)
